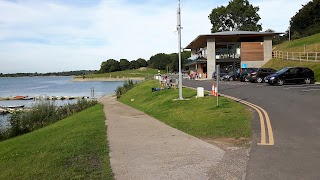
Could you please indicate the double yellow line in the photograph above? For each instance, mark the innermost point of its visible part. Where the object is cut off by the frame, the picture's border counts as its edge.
(264, 117)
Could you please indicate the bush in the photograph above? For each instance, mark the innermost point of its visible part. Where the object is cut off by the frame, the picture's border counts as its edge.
(40, 115)
(121, 90)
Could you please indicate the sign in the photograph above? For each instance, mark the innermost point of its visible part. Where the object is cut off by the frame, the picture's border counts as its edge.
(244, 65)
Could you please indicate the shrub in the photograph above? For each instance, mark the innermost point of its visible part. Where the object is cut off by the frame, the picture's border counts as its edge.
(40, 115)
(121, 90)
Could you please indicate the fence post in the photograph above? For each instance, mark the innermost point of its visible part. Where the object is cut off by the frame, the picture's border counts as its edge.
(287, 55)
(300, 56)
(307, 56)
(316, 58)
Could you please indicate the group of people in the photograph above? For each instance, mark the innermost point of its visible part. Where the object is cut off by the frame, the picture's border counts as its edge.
(195, 75)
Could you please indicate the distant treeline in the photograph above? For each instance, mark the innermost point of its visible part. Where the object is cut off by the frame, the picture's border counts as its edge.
(159, 61)
(66, 73)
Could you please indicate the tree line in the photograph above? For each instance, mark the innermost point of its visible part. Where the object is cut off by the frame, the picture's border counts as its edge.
(240, 15)
(65, 73)
(159, 61)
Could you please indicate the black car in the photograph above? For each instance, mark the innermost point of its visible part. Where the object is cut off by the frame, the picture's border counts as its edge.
(240, 74)
(222, 73)
(291, 75)
(259, 74)
(231, 76)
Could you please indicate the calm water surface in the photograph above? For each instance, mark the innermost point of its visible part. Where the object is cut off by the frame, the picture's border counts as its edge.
(50, 86)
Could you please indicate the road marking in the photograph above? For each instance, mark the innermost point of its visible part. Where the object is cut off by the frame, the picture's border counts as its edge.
(262, 125)
(310, 90)
(296, 87)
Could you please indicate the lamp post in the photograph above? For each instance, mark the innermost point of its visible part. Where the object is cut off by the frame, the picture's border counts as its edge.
(179, 46)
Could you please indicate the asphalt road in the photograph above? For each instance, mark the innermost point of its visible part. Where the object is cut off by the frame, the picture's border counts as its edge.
(294, 112)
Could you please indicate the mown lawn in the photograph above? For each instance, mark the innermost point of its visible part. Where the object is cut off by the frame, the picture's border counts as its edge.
(142, 73)
(73, 148)
(198, 116)
(279, 64)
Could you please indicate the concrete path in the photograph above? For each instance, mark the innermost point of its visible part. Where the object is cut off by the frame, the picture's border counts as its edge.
(142, 147)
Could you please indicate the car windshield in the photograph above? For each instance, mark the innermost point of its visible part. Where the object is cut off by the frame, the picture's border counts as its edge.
(282, 71)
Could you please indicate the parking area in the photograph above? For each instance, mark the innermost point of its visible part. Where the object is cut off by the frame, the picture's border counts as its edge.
(312, 88)
(294, 115)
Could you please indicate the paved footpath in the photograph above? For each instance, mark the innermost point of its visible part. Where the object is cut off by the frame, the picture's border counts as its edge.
(142, 147)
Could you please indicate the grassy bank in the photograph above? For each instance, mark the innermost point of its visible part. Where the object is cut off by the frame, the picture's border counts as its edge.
(199, 116)
(73, 148)
(140, 73)
(312, 44)
(279, 64)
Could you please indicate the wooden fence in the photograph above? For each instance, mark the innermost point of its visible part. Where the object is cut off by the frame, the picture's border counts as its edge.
(297, 56)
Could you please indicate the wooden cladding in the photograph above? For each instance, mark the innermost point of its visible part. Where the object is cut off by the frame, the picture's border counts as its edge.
(252, 51)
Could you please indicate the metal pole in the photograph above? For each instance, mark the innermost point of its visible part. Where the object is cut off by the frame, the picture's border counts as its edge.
(289, 33)
(218, 77)
(179, 44)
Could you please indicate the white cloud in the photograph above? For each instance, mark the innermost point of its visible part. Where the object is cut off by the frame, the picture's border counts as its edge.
(42, 36)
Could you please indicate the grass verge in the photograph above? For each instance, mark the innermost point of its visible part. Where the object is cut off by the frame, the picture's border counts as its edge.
(198, 117)
(73, 148)
(279, 64)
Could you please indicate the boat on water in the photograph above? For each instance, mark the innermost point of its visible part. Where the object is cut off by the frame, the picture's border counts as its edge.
(12, 107)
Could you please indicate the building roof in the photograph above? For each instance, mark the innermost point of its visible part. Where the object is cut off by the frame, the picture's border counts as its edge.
(201, 40)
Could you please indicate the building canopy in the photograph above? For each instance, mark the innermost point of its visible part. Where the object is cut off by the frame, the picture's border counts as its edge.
(201, 40)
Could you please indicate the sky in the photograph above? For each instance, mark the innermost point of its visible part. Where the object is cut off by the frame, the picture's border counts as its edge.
(64, 35)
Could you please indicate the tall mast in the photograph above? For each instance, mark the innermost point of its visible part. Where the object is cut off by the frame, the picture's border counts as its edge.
(179, 46)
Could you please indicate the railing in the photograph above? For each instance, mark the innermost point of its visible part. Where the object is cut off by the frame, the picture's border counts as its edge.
(297, 56)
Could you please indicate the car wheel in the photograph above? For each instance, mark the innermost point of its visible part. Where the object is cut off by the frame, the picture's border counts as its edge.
(280, 82)
(259, 80)
(246, 79)
(307, 80)
(230, 78)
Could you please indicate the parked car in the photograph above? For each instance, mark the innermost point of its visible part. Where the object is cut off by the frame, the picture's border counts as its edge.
(259, 74)
(222, 73)
(231, 76)
(291, 75)
(243, 72)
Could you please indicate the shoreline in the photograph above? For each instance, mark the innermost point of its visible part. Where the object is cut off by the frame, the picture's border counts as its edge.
(107, 79)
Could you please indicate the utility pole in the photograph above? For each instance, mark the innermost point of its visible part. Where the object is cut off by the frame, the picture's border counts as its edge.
(289, 33)
(179, 46)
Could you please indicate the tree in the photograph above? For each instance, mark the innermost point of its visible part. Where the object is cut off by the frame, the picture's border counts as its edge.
(110, 65)
(174, 65)
(142, 62)
(238, 15)
(134, 64)
(124, 64)
(160, 61)
(306, 22)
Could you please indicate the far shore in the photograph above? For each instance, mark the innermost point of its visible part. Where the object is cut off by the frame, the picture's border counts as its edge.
(107, 79)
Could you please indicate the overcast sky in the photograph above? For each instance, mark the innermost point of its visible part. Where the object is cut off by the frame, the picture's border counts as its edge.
(64, 35)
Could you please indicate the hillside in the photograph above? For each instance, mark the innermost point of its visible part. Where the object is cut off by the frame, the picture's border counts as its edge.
(312, 44)
(73, 148)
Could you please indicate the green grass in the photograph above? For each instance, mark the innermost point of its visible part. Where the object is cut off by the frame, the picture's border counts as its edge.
(140, 73)
(279, 64)
(312, 44)
(73, 148)
(199, 116)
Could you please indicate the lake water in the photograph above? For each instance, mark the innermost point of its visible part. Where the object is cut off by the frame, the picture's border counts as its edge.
(50, 86)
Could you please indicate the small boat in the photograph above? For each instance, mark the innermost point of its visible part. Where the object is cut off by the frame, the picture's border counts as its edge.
(13, 107)
(27, 98)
